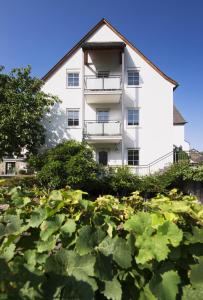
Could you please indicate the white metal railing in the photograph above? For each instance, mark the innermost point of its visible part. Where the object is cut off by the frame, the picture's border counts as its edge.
(102, 128)
(103, 83)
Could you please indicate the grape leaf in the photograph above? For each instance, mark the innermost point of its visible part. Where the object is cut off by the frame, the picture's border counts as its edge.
(113, 290)
(165, 286)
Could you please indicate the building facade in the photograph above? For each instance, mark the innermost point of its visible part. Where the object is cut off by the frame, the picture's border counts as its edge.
(117, 100)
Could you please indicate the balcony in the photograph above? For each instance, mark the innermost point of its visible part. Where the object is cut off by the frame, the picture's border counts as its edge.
(103, 89)
(102, 132)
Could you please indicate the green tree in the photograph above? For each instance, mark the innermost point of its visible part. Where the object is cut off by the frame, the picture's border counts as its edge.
(22, 107)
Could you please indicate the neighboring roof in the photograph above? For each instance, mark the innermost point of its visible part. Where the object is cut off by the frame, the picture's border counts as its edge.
(177, 117)
(91, 32)
(103, 45)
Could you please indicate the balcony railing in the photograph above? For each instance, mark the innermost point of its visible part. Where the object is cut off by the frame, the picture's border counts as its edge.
(110, 83)
(110, 128)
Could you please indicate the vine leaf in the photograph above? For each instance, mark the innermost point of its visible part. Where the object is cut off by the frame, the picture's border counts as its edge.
(50, 226)
(113, 290)
(88, 238)
(196, 276)
(165, 286)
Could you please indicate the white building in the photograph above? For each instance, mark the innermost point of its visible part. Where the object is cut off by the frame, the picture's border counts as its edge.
(117, 100)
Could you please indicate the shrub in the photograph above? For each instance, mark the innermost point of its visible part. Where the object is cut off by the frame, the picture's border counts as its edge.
(69, 163)
(122, 182)
(61, 246)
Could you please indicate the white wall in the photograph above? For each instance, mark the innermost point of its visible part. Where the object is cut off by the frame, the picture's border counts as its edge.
(179, 137)
(155, 134)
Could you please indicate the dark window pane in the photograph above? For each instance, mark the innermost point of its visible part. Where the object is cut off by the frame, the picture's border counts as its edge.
(133, 157)
(73, 117)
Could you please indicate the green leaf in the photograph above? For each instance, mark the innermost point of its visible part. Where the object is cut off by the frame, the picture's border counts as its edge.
(47, 245)
(70, 263)
(189, 293)
(107, 246)
(165, 286)
(69, 227)
(138, 223)
(50, 226)
(103, 267)
(37, 217)
(196, 275)
(196, 236)
(122, 253)
(113, 290)
(74, 289)
(146, 294)
(8, 252)
(13, 224)
(88, 239)
(171, 231)
(2, 230)
(151, 247)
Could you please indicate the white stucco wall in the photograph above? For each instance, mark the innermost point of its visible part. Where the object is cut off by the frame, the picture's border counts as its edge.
(179, 137)
(155, 134)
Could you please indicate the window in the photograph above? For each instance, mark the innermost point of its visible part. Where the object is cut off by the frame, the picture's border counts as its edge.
(133, 77)
(103, 74)
(103, 158)
(133, 157)
(133, 116)
(10, 168)
(73, 117)
(72, 79)
(102, 116)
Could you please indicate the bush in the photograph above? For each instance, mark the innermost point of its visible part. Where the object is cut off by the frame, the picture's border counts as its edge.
(69, 163)
(122, 182)
(61, 246)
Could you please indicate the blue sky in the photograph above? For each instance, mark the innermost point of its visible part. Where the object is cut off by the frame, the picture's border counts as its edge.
(170, 33)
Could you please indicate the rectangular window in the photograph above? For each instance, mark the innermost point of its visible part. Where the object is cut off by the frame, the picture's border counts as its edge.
(133, 77)
(133, 116)
(73, 117)
(133, 157)
(72, 79)
(102, 116)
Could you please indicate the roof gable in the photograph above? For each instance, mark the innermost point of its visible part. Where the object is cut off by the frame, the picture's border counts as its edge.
(121, 37)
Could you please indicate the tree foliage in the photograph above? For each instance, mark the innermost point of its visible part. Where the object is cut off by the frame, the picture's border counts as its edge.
(22, 106)
(60, 246)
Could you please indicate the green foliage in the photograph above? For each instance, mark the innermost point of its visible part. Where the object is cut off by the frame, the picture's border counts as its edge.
(69, 163)
(123, 182)
(58, 245)
(22, 107)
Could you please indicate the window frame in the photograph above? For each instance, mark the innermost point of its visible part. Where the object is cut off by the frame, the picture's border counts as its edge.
(74, 119)
(73, 71)
(138, 114)
(135, 162)
(138, 72)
